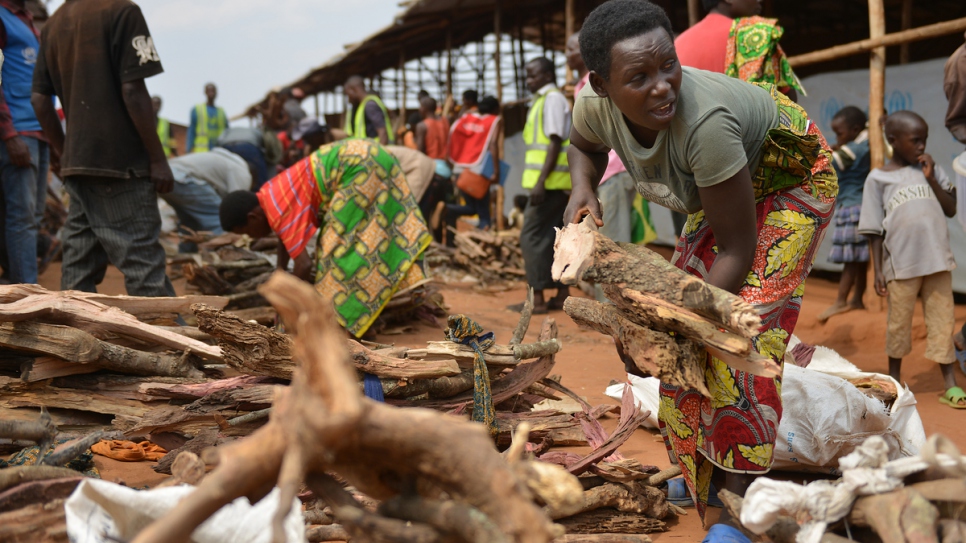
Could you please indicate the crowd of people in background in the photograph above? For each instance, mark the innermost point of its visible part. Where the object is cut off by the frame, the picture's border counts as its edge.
(654, 117)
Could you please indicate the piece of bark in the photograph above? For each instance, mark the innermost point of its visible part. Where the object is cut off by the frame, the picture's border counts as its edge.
(73, 309)
(37, 523)
(442, 387)
(460, 520)
(562, 429)
(898, 516)
(654, 313)
(631, 418)
(583, 254)
(187, 469)
(332, 532)
(37, 492)
(676, 361)
(664, 476)
(382, 365)
(206, 278)
(42, 368)
(190, 331)
(322, 423)
(611, 521)
(624, 471)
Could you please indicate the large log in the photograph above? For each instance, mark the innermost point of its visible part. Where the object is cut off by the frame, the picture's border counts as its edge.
(15, 393)
(41, 431)
(581, 253)
(135, 305)
(673, 360)
(80, 347)
(611, 521)
(37, 523)
(258, 350)
(75, 309)
(496, 355)
(633, 497)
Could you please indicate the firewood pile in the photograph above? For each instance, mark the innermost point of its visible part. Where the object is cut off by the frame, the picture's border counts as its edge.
(489, 258)
(230, 265)
(265, 407)
(915, 498)
(663, 320)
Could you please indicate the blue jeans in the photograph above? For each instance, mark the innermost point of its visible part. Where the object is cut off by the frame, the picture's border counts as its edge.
(196, 204)
(474, 206)
(23, 194)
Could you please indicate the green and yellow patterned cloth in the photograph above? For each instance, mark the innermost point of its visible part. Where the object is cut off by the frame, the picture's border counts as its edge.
(753, 54)
(372, 232)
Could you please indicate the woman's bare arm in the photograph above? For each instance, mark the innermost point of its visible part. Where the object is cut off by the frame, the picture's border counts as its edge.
(587, 164)
(729, 208)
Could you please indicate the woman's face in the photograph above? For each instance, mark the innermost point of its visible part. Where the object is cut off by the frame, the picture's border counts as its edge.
(645, 78)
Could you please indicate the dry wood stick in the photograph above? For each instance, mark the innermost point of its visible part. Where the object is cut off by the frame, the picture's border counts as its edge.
(14, 475)
(135, 305)
(524, 323)
(41, 431)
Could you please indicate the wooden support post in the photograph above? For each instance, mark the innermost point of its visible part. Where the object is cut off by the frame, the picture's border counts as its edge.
(315, 99)
(497, 15)
(694, 12)
(569, 31)
(402, 100)
(876, 84)
(906, 24)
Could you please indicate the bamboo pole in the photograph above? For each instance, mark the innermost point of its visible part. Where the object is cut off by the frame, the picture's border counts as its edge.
(906, 23)
(315, 98)
(886, 40)
(876, 84)
(497, 15)
(402, 101)
(694, 12)
(449, 61)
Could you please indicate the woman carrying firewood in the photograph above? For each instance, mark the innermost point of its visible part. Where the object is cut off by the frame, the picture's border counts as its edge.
(754, 175)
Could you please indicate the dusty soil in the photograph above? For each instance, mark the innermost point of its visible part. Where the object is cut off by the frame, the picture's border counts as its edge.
(588, 364)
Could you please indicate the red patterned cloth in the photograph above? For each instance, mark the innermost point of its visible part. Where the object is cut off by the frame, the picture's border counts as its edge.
(291, 203)
(735, 429)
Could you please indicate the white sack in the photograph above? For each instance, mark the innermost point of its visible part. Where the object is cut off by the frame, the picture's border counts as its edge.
(646, 394)
(103, 512)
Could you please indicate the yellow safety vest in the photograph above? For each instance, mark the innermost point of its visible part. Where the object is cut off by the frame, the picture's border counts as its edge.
(204, 131)
(537, 144)
(356, 126)
(164, 134)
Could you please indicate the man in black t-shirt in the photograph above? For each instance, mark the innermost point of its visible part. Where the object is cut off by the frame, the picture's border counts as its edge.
(94, 55)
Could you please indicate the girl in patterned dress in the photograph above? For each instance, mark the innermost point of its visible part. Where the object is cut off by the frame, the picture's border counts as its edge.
(754, 175)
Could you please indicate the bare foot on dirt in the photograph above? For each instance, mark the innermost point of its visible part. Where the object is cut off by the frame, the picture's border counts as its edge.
(836, 309)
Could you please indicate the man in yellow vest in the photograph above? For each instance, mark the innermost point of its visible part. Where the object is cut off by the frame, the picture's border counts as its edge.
(547, 176)
(208, 121)
(368, 117)
(164, 129)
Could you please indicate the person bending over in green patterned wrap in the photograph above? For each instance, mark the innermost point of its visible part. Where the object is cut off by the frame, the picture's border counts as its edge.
(754, 175)
(371, 234)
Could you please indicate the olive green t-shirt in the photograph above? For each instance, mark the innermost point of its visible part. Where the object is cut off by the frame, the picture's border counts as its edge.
(719, 126)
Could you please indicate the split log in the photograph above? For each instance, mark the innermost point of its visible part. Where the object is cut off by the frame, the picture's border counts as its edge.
(37, 523)
(15, 475)
(634, 497)
(43, 368)
(15, 393)
(497, 355)
(581, 253)
(135, 305)
(332, 532)
(676, 361)
(257, 350)
(80, 347)
(442, 387)
(74, 309)
(613, 522)
(322, 423)
(206, 279)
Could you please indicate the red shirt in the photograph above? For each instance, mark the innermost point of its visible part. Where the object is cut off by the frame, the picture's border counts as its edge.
(705, 44)
(291, 204)
(437, 134)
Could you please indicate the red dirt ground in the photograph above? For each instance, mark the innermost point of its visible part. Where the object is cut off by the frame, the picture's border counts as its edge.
(588, 363)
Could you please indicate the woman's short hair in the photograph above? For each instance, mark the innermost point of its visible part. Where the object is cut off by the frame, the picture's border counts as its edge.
(615, 21)
(235, 208)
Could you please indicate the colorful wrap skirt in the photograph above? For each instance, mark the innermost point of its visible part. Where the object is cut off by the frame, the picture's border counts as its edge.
(735, 429)
(847, 244)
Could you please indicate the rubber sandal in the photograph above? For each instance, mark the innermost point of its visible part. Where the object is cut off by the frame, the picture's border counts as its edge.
(677, 493)
(953, 397)
(725, 533)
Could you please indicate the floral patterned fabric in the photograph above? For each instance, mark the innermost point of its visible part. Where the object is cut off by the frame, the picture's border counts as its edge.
(753, 54)
(372, 232)
(735, 429)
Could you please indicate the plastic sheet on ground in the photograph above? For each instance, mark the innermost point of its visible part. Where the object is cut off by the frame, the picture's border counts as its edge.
(104, 512)
(824, 416)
